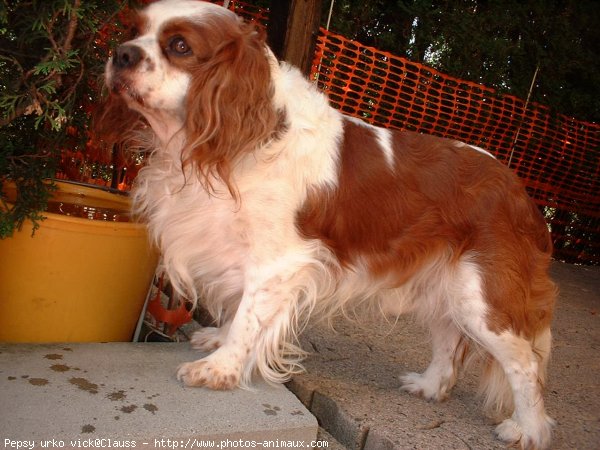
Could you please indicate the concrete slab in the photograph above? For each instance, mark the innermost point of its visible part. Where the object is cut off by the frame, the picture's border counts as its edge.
(79, 394)
(352, 384)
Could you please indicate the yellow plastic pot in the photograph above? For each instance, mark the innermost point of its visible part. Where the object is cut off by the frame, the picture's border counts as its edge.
(75, 279)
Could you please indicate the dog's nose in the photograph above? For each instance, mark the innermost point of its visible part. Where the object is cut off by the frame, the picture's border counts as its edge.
(127, 56)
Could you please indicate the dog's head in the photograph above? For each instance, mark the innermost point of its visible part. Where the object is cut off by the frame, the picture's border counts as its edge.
(197, 72)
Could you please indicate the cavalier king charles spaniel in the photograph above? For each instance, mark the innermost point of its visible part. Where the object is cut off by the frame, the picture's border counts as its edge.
(268, 205)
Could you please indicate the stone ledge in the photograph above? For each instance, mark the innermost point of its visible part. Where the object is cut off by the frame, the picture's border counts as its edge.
(128, 391)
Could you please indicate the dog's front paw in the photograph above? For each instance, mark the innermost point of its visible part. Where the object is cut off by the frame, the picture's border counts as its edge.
(210, 372)
(423, 386)
(207, 339)
(509, 431)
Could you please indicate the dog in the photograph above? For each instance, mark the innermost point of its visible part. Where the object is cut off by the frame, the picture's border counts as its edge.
(269, 206)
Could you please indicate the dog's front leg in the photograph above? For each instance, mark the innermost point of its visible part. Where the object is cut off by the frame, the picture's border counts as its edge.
(223, 368)
(258, 334)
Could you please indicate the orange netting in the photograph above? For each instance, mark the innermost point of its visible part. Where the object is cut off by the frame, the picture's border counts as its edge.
(556, 156)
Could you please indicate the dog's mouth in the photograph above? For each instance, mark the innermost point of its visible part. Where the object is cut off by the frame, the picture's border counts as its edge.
(119, 84)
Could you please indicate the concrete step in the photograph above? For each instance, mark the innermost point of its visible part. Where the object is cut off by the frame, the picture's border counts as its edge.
(86, 393)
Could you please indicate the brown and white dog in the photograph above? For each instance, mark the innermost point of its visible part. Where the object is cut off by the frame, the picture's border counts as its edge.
(268, 205)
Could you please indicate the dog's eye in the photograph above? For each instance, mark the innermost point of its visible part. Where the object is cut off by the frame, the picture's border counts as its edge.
(179, 46)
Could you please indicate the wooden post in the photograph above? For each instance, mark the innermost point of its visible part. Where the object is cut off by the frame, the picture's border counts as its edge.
(293, 29)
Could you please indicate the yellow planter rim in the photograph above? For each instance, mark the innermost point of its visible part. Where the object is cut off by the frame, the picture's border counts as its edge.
(81, 193)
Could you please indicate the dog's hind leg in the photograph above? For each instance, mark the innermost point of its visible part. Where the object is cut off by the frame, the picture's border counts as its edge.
(521, 360)
(524, 369)
(528, 426)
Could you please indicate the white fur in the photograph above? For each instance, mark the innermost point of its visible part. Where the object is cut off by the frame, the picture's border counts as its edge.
(474, 147)
(383, 137)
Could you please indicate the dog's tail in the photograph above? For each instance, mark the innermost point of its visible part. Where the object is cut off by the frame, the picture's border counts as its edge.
(494, 387)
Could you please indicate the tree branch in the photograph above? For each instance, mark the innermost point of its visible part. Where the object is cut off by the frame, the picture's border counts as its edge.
(72, 28)
(34, 102)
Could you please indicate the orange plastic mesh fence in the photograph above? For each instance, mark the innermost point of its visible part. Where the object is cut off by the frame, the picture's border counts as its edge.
(556, 156)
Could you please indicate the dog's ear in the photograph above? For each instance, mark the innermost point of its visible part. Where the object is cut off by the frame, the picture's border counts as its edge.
(113, 123)
(230, 110)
